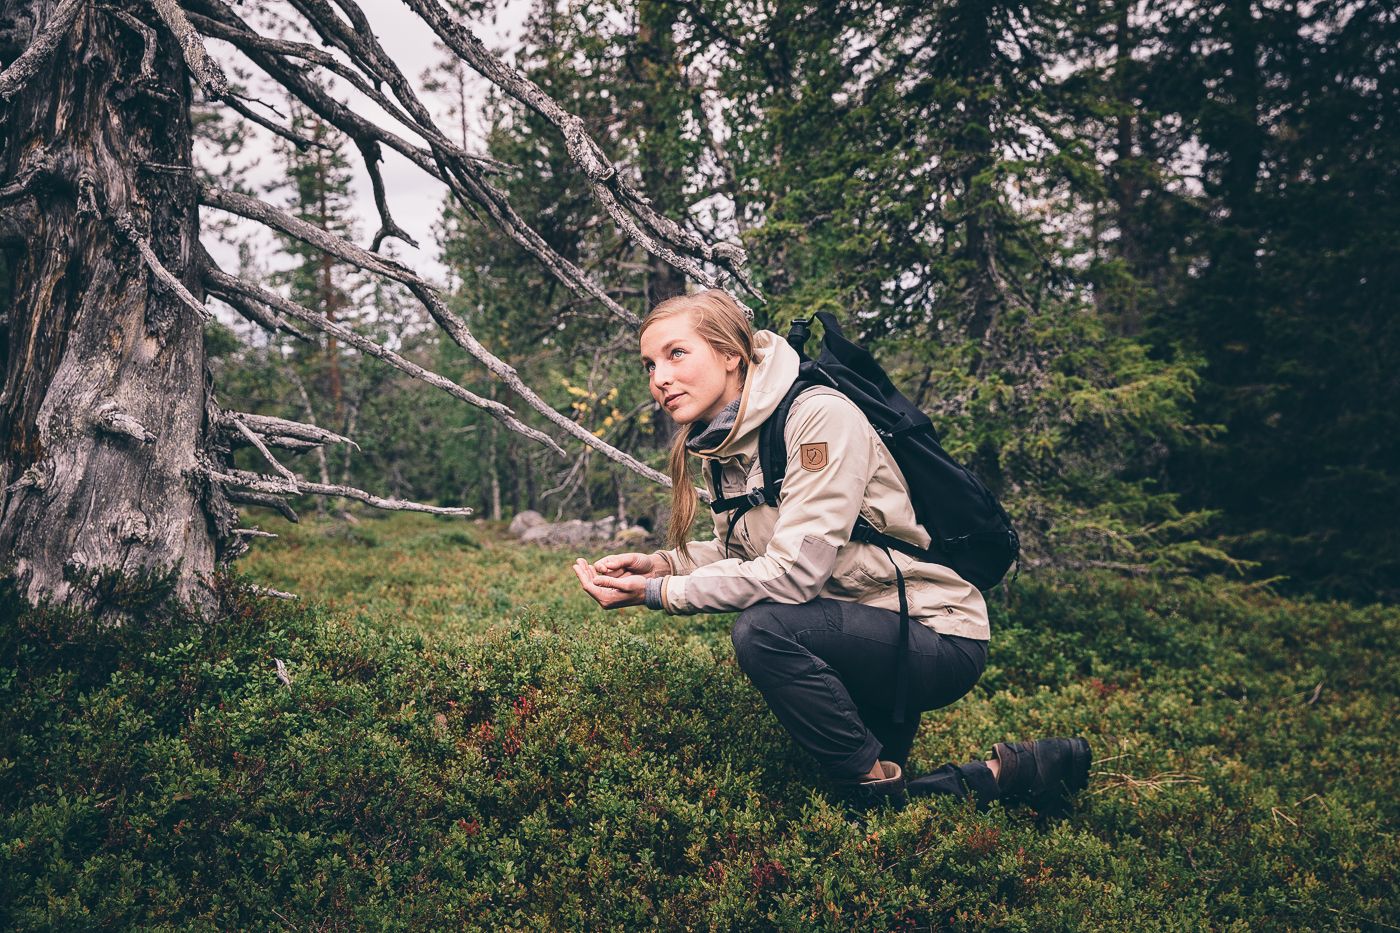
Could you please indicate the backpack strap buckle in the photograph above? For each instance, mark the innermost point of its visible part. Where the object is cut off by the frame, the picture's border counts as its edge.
(745, 501)
(761, 496)
(798, 333)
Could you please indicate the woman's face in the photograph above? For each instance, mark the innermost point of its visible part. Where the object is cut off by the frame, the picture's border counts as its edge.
(689, 379)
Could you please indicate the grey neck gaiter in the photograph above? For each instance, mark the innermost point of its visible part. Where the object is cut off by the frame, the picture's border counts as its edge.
(706, 436)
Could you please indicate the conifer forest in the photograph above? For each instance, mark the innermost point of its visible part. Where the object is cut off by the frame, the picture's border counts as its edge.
(303, 302)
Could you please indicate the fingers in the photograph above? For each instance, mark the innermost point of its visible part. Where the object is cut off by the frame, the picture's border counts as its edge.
(616, 565)
(623, 591)
(584, 571)
(611, 591)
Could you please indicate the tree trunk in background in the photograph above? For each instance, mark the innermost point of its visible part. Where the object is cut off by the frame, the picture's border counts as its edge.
(659, 71)
(971, 36)
(325, 280)
(106, 404)
(486, 454)
(1126, 188)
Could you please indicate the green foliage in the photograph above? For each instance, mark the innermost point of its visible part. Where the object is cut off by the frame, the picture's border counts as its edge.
(1254, 198)
(563, 771)
(1139, 264)
(922, 198)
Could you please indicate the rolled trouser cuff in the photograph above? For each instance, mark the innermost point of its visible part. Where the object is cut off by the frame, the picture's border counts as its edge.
(858, 765)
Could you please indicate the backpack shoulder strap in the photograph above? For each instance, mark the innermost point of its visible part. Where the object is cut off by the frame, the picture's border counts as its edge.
(772, 438)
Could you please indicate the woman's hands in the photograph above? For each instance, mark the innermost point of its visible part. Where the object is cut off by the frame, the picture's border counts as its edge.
(622, 565)
(619, 580)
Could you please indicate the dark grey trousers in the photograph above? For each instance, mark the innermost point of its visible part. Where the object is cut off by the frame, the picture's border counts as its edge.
(826, 668)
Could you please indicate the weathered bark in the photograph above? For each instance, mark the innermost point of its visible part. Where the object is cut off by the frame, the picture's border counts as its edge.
(113, 455)
(105, 407)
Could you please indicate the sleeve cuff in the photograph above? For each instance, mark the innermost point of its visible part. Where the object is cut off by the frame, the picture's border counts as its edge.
(653, 594)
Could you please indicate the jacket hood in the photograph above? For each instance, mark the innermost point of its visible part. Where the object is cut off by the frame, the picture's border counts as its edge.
(773, 372)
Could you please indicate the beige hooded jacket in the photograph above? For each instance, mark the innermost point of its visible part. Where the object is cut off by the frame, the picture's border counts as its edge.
(837, 468)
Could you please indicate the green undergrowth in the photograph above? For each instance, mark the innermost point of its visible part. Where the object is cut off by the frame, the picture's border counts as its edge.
(541, 765)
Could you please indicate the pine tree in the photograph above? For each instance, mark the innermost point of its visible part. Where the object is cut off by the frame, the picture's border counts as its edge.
(918, 169)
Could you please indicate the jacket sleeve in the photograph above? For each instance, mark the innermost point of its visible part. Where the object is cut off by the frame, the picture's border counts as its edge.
(817, 508)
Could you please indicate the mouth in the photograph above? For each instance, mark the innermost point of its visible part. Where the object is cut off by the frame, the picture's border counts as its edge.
(671, 400)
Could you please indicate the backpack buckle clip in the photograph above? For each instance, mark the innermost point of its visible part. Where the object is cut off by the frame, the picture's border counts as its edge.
(798, 333)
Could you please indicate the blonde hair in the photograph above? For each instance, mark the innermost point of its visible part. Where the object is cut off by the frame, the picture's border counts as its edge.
(721, 322)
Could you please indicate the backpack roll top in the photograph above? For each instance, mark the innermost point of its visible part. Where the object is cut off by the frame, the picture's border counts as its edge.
(969, 530)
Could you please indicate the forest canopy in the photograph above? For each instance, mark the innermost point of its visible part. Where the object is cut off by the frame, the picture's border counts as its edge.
(1139, 263)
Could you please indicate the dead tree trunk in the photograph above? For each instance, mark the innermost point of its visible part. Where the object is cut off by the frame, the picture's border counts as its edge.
(113, 454)
(105, 405)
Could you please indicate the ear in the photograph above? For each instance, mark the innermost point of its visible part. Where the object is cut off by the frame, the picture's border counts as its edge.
(732, 361)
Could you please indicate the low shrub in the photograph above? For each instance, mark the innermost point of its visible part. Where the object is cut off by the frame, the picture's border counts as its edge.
(565, 776)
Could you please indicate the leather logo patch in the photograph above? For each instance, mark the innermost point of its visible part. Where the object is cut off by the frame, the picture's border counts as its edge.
(814, 456)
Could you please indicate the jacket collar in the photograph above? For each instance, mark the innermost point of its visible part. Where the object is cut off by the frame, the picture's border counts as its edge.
(770, 376)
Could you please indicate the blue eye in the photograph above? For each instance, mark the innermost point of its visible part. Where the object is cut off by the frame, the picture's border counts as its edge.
(648, 367)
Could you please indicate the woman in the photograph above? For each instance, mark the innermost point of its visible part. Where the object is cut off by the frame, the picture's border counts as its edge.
(819, 623)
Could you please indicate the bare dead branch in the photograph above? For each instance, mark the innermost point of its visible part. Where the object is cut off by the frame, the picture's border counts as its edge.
(254, 209)
(283, 675)
(204, 69)
(127, 228)
(14, 78)
(369, 150)
(290, 443)
(270, 485)
(234, 102)
(277, 503)
(245, 39)
(268, 426)
(654, 232)
(262, 449)
(462, 173)
(334, 31)
(255, 313)
(249, 310)
(253, 533)
(222, 284)
(111, 419)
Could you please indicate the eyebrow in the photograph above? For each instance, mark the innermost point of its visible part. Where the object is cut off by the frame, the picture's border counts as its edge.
(664, 348)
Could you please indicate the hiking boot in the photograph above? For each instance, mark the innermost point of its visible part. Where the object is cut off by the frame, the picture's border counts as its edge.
(888, 791)
(971, 780)
(1043, 773)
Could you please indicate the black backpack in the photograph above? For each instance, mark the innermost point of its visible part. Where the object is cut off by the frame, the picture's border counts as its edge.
(969, 530)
